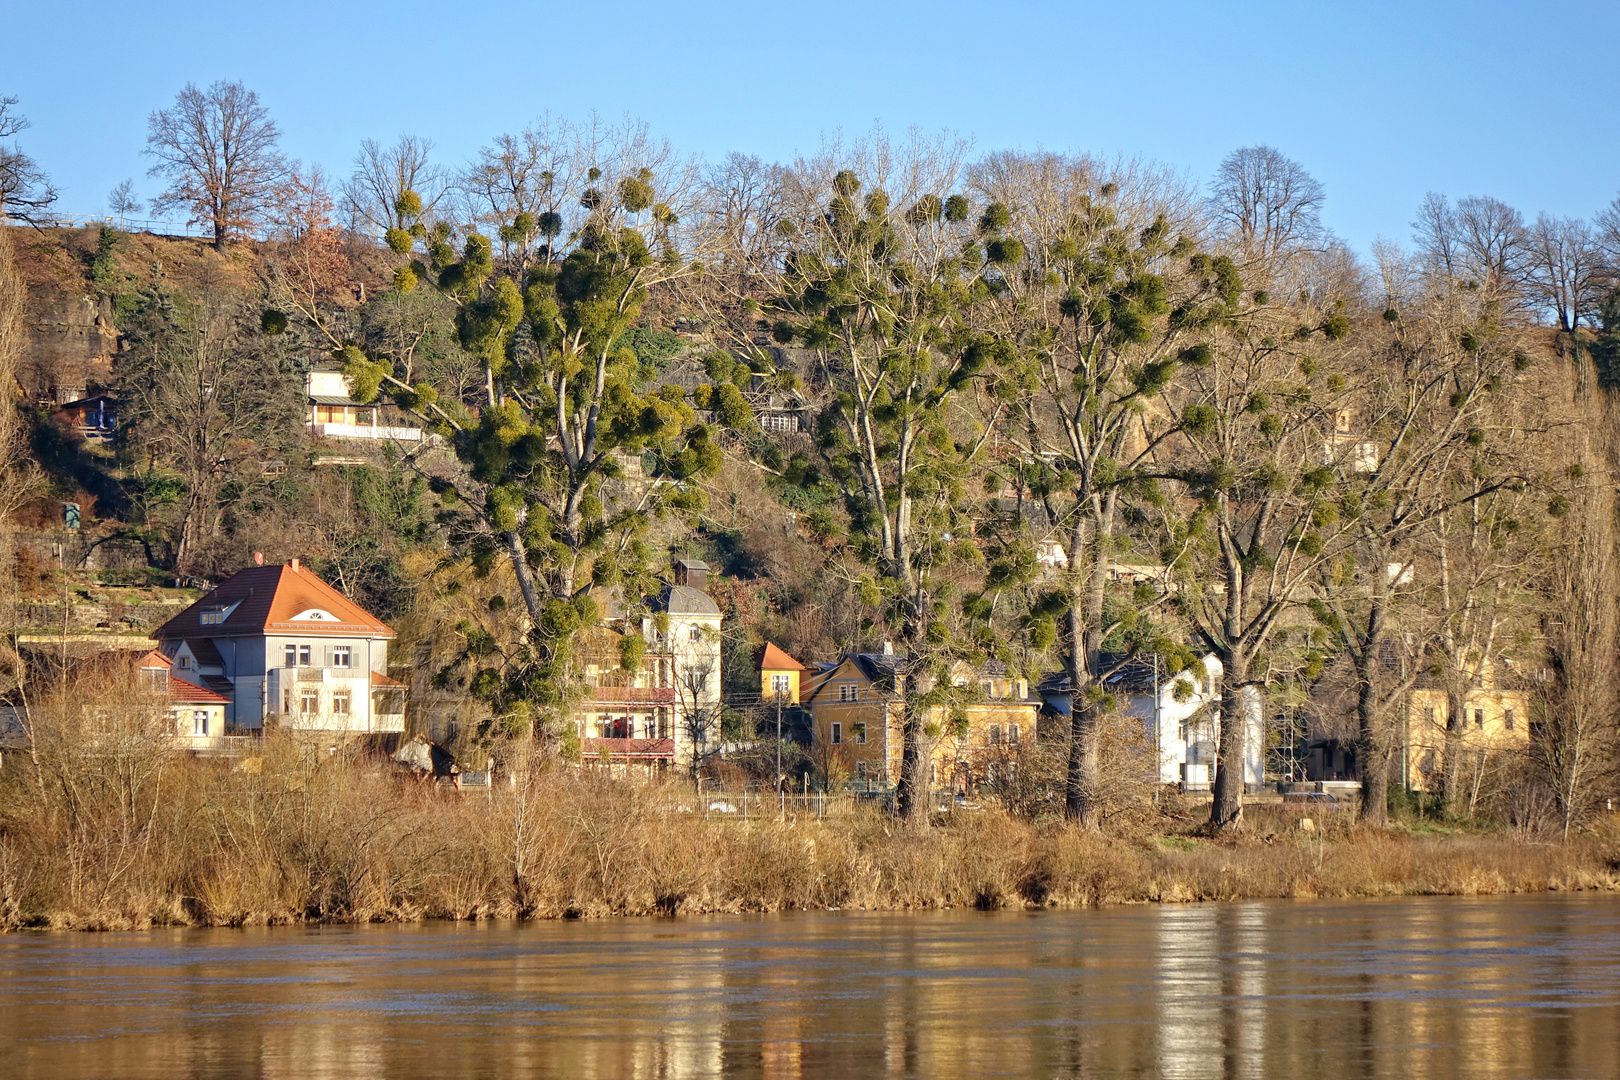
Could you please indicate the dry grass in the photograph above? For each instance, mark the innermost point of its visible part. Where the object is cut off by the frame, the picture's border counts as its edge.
(311, 836)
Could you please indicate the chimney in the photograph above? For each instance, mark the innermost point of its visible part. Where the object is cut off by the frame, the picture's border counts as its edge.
(693, 573)
(293, 564)
(888, 648)
(258, 558)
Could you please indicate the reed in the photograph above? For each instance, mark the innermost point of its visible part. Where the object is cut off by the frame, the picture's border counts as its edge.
(306, 833)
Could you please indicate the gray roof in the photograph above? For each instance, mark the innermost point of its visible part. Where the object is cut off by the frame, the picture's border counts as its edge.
(685, 600)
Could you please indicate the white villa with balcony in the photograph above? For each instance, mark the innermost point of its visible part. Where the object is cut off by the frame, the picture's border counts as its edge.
(279, 643)
(334, 414)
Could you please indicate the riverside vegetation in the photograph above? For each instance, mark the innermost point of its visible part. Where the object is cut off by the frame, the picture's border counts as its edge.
(106, 828)
(872, 387)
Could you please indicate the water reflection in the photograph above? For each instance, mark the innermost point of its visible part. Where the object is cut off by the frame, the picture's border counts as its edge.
(1432, 988)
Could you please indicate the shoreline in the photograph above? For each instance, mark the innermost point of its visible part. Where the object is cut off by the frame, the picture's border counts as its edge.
(986, 862)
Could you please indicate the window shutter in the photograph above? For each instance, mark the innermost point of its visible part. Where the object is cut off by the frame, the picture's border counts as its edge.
(328, 657)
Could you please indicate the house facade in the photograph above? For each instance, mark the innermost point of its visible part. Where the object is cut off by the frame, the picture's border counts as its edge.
(1180, 717)
(196, 712)
(856, 708)
(334, 414)
(667, 712)
(281, 645)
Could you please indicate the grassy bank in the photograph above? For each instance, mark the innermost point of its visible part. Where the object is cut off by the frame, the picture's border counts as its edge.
(312, 837)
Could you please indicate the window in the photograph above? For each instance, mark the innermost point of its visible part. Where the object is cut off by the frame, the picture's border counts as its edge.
(286, 700)
(860, 769)
(837, 734)
(309, 703)
(185, 662)
(1479, 718)
(297, 655)
(846, 691)
(1507, 719)
(780, 685)
(697, 633)
(1012, 734)
(859, 731)
(933, 775)
(340, 704)
(995, 734)
(303, 656)
(291, 655)
(341, 656)
(199, 721)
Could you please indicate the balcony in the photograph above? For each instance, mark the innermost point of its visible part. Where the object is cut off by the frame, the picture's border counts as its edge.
(366, 431)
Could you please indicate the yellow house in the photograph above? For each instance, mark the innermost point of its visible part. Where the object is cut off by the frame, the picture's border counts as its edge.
(856, 707)
(779, 675)
(1495, 718)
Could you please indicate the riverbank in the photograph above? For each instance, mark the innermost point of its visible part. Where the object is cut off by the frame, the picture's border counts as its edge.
(300, 840)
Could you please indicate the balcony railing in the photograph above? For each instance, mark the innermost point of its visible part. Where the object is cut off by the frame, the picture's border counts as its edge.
(367, 431)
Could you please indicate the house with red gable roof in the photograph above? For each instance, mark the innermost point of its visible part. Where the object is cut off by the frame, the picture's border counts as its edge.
(279, 643)
(198, 713)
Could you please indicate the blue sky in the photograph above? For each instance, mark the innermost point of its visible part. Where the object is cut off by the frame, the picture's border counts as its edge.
(1380, 101)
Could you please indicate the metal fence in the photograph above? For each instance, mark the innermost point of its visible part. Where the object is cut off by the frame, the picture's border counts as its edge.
(126, 224)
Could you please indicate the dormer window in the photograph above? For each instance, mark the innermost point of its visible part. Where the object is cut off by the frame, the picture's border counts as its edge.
(215, 614)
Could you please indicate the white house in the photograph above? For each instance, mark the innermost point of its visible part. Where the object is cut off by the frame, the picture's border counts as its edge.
(667, 713)
(277, 641)
(1180, 715)
(334, 414)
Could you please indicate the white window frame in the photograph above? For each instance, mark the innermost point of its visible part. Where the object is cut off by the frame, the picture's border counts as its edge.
(858, 729)
(199, 722)
(781, 685)
(994, 737)
(1012, 735)
(837, 733)
(340, 704)
(309, 703)
(342, 656)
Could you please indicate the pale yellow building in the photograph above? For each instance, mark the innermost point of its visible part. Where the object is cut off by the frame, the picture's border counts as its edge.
(1496, 719)
(857, 710)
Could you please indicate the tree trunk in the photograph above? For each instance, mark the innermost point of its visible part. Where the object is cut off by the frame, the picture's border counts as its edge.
(1226, 811)
(1451, 785)
(1370, 750)
(1080, 796)
(911, 792)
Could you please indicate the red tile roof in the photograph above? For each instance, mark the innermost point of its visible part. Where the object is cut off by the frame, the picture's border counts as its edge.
(379, 679)
(268, 599)
(192, 694)
(773, 659)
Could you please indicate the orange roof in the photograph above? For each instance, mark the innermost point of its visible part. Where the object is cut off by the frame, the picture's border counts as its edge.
(155, 659)
(290, 599)
(379, 679)
(773, 659)
(192, 694)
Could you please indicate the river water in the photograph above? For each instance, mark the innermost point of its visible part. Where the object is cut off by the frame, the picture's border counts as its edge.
(1514, 987)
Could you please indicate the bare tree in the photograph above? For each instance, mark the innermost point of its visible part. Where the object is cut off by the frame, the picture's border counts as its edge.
(1481, 242)
(1268, 204)
(217, 148)
(1575, 745)
(198, 399)
(383, 175)
(25, 191)
(122, 200)
(1565, 270)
